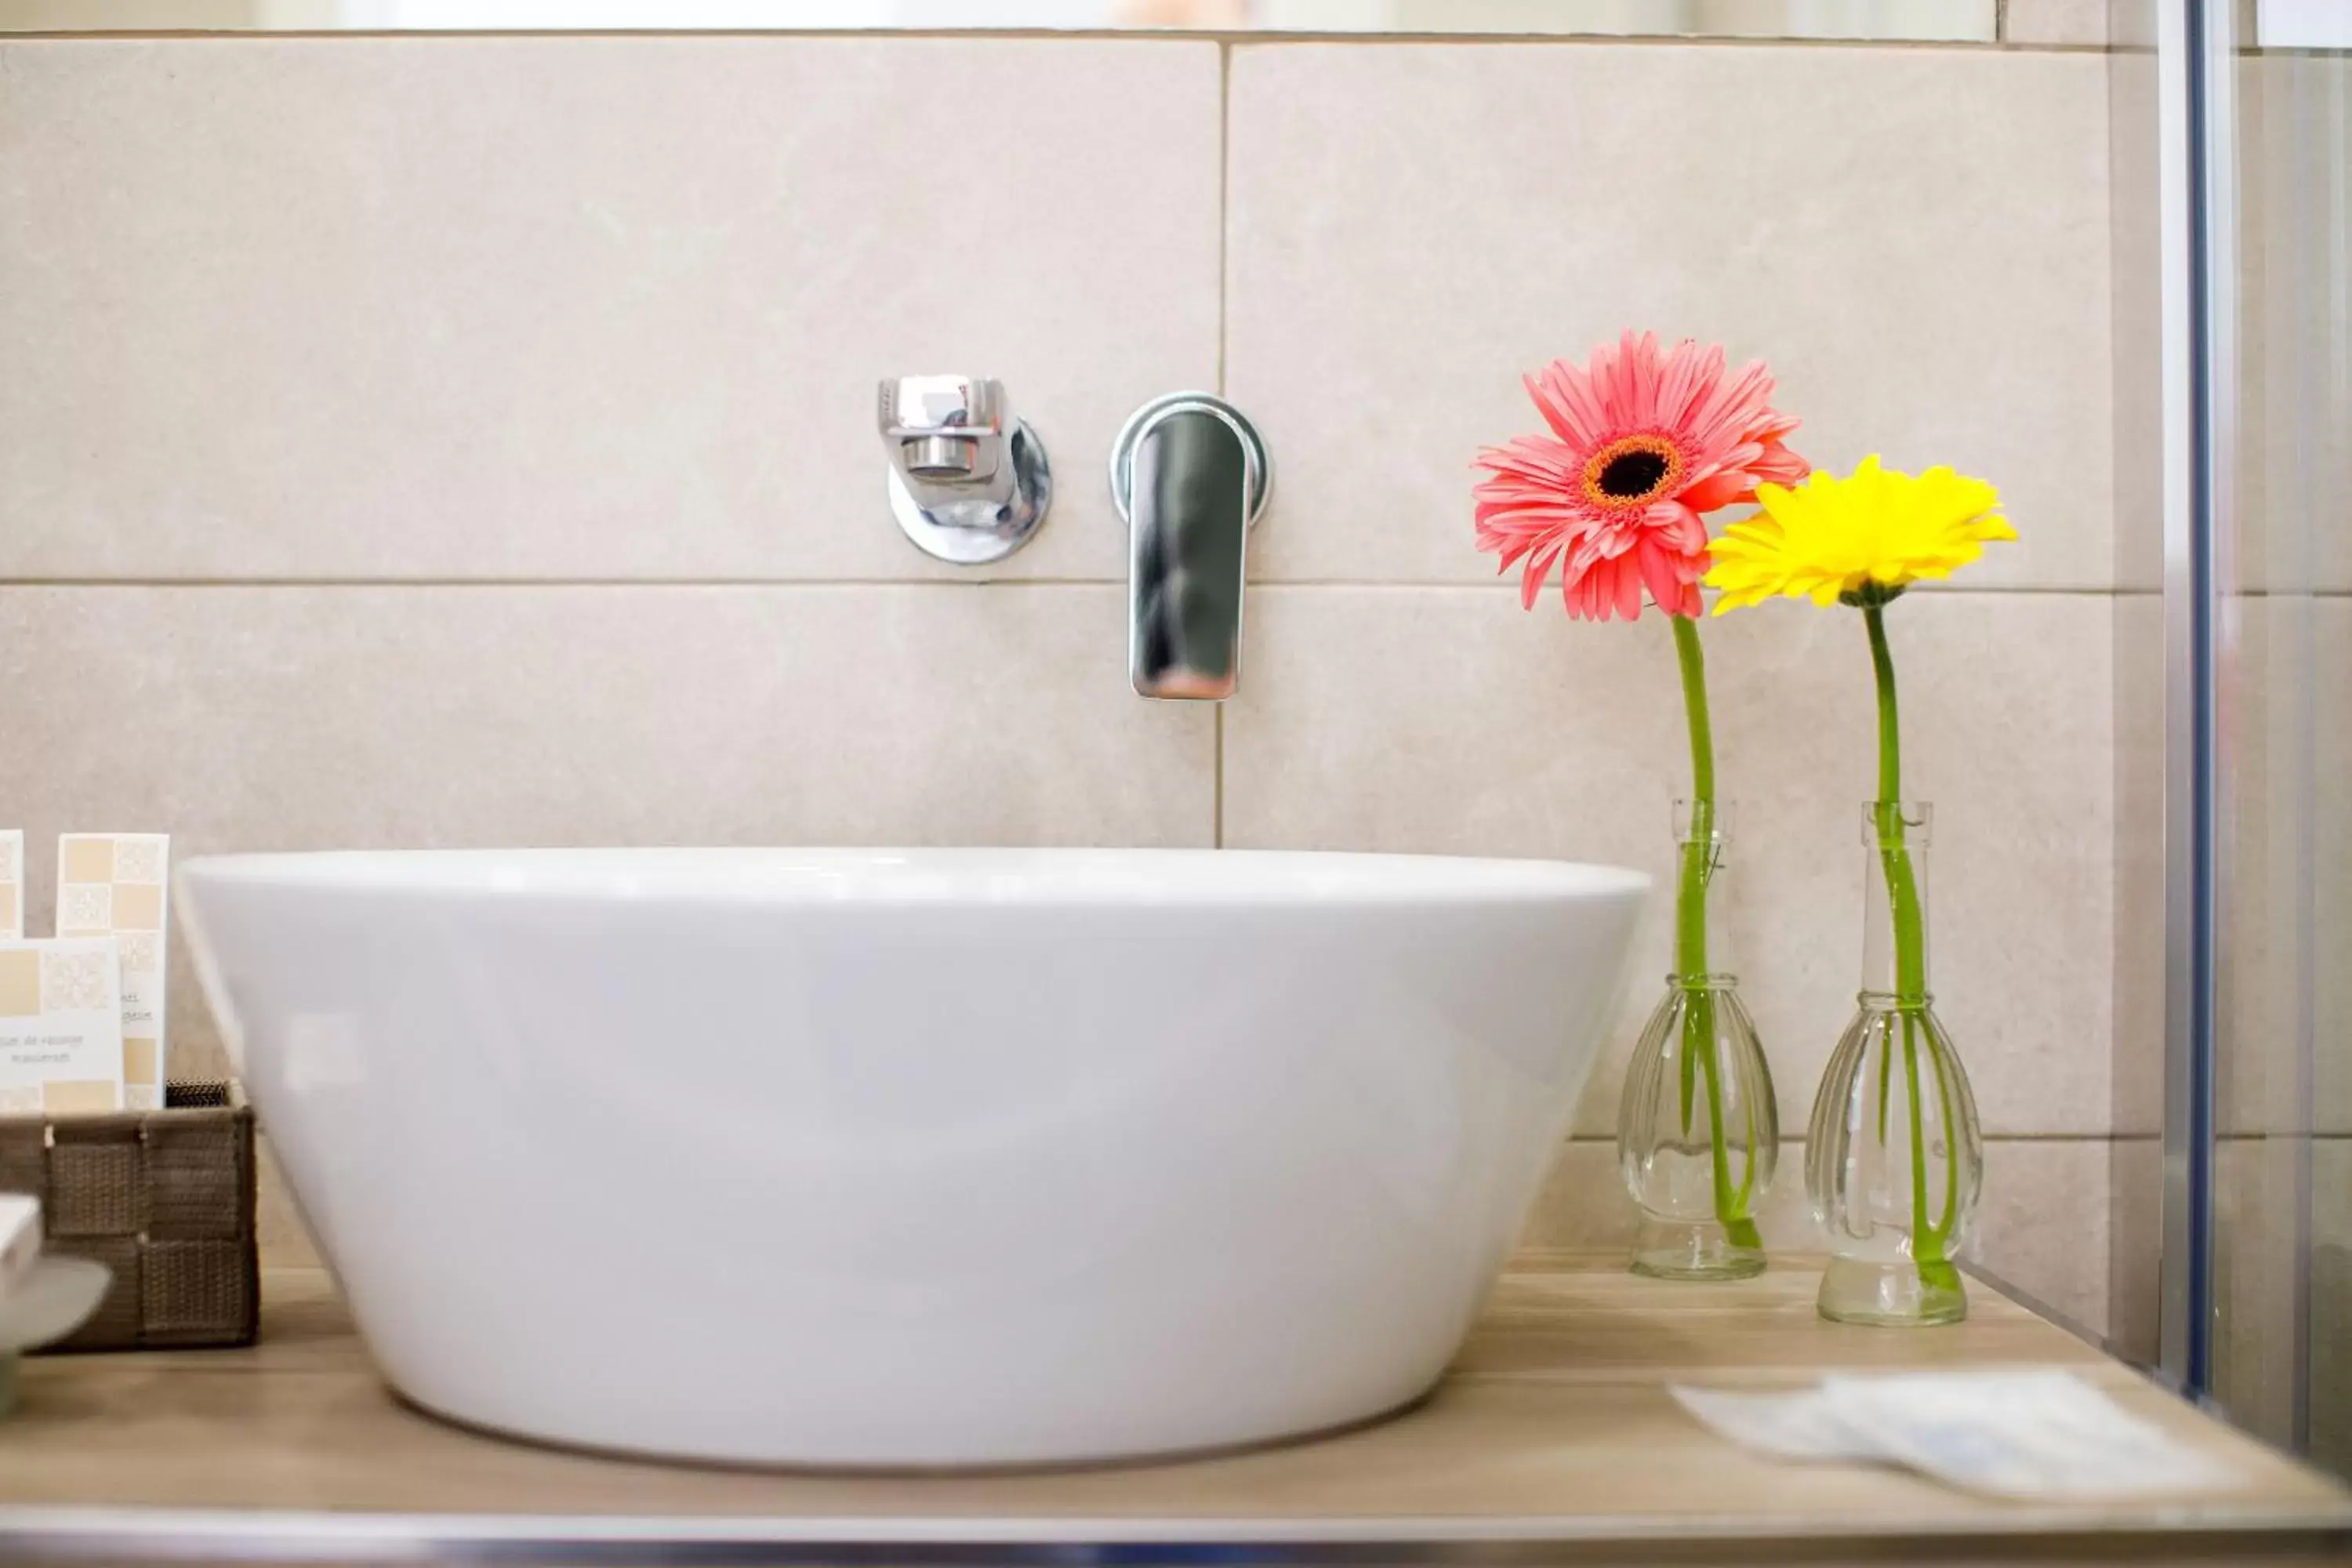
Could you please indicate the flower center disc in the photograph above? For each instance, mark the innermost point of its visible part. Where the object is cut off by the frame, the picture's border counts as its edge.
(1632, 470)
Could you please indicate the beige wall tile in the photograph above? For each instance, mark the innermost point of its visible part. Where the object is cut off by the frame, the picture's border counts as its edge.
(2331, 1303)
(2286, 746)
(2133, 25)
(2258, 1183)
(2331, 850)
(574, 306)
(2043, 1224)
(1449, 721)
(2055, 21)
(2135, 207)
(2140, 796)
(2284, 1251)
(2294, 401)
(2135, 1246)
(311, 718)
(2040, 1228)
(2265, 968)
(1916, 239)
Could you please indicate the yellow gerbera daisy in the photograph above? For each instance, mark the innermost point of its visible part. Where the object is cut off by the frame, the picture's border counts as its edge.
(1863, 539)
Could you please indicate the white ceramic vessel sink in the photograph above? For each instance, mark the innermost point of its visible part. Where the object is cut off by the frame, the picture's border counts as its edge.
(920, 1158)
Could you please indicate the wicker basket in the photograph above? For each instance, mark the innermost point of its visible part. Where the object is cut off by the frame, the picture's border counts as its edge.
(164, 1198)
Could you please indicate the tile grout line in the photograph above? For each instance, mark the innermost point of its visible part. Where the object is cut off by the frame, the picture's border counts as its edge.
(11, 584)
(1224, 203)
(1136, 36)
(1970, 591)
(2335, 1136)
(1224, 253)
(1279, 584)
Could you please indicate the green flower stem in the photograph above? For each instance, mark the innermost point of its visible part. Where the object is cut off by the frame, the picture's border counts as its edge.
(1702, 744)
(1950, 1219)
(1927, 1238)
(1902, 885)
(1699, 862)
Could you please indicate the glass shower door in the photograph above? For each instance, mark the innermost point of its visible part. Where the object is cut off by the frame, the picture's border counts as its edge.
(2281, 1344)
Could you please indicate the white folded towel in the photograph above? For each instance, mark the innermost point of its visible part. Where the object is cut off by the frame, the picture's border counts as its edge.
(2029, 1433)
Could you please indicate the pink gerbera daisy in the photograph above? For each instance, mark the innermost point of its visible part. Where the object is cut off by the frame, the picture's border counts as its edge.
(1643, 442)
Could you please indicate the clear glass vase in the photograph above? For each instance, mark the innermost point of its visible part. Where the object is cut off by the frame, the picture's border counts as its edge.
(1893, 1156)
(1698, 1132)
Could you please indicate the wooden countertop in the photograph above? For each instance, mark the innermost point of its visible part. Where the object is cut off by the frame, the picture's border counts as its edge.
(1553, 1440)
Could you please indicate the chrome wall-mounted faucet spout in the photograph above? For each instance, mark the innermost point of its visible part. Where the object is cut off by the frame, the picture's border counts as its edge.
(968, 481)
(1190, 474)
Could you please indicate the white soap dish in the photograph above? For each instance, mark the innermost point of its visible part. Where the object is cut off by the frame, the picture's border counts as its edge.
(51, 1301)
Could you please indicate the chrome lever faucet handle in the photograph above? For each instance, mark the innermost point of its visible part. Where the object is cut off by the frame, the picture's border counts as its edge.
(968, 482)
(1190, 474)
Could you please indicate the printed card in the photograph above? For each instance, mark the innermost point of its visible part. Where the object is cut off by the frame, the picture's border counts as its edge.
(116, 884)
(60, 1026)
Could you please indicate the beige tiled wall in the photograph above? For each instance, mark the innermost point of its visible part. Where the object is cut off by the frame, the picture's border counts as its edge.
(2135, 139)
(447, 441)
(1916, 239)
(555, 308)
(2059, 21)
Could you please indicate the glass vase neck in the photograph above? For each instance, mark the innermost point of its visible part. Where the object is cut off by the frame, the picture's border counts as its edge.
(1702, 954)
(1696, 821)
(1895, 837)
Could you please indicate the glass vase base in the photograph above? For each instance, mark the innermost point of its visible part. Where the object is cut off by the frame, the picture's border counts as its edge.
(1683, 1249)
(1889, 1295)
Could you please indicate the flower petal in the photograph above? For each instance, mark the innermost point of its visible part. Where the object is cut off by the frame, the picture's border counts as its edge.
(1730, 488)
(1829, 535)
(1532, 509)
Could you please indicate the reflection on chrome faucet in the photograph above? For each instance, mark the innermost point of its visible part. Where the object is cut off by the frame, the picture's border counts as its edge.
(1190, 474)
(968, 482)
